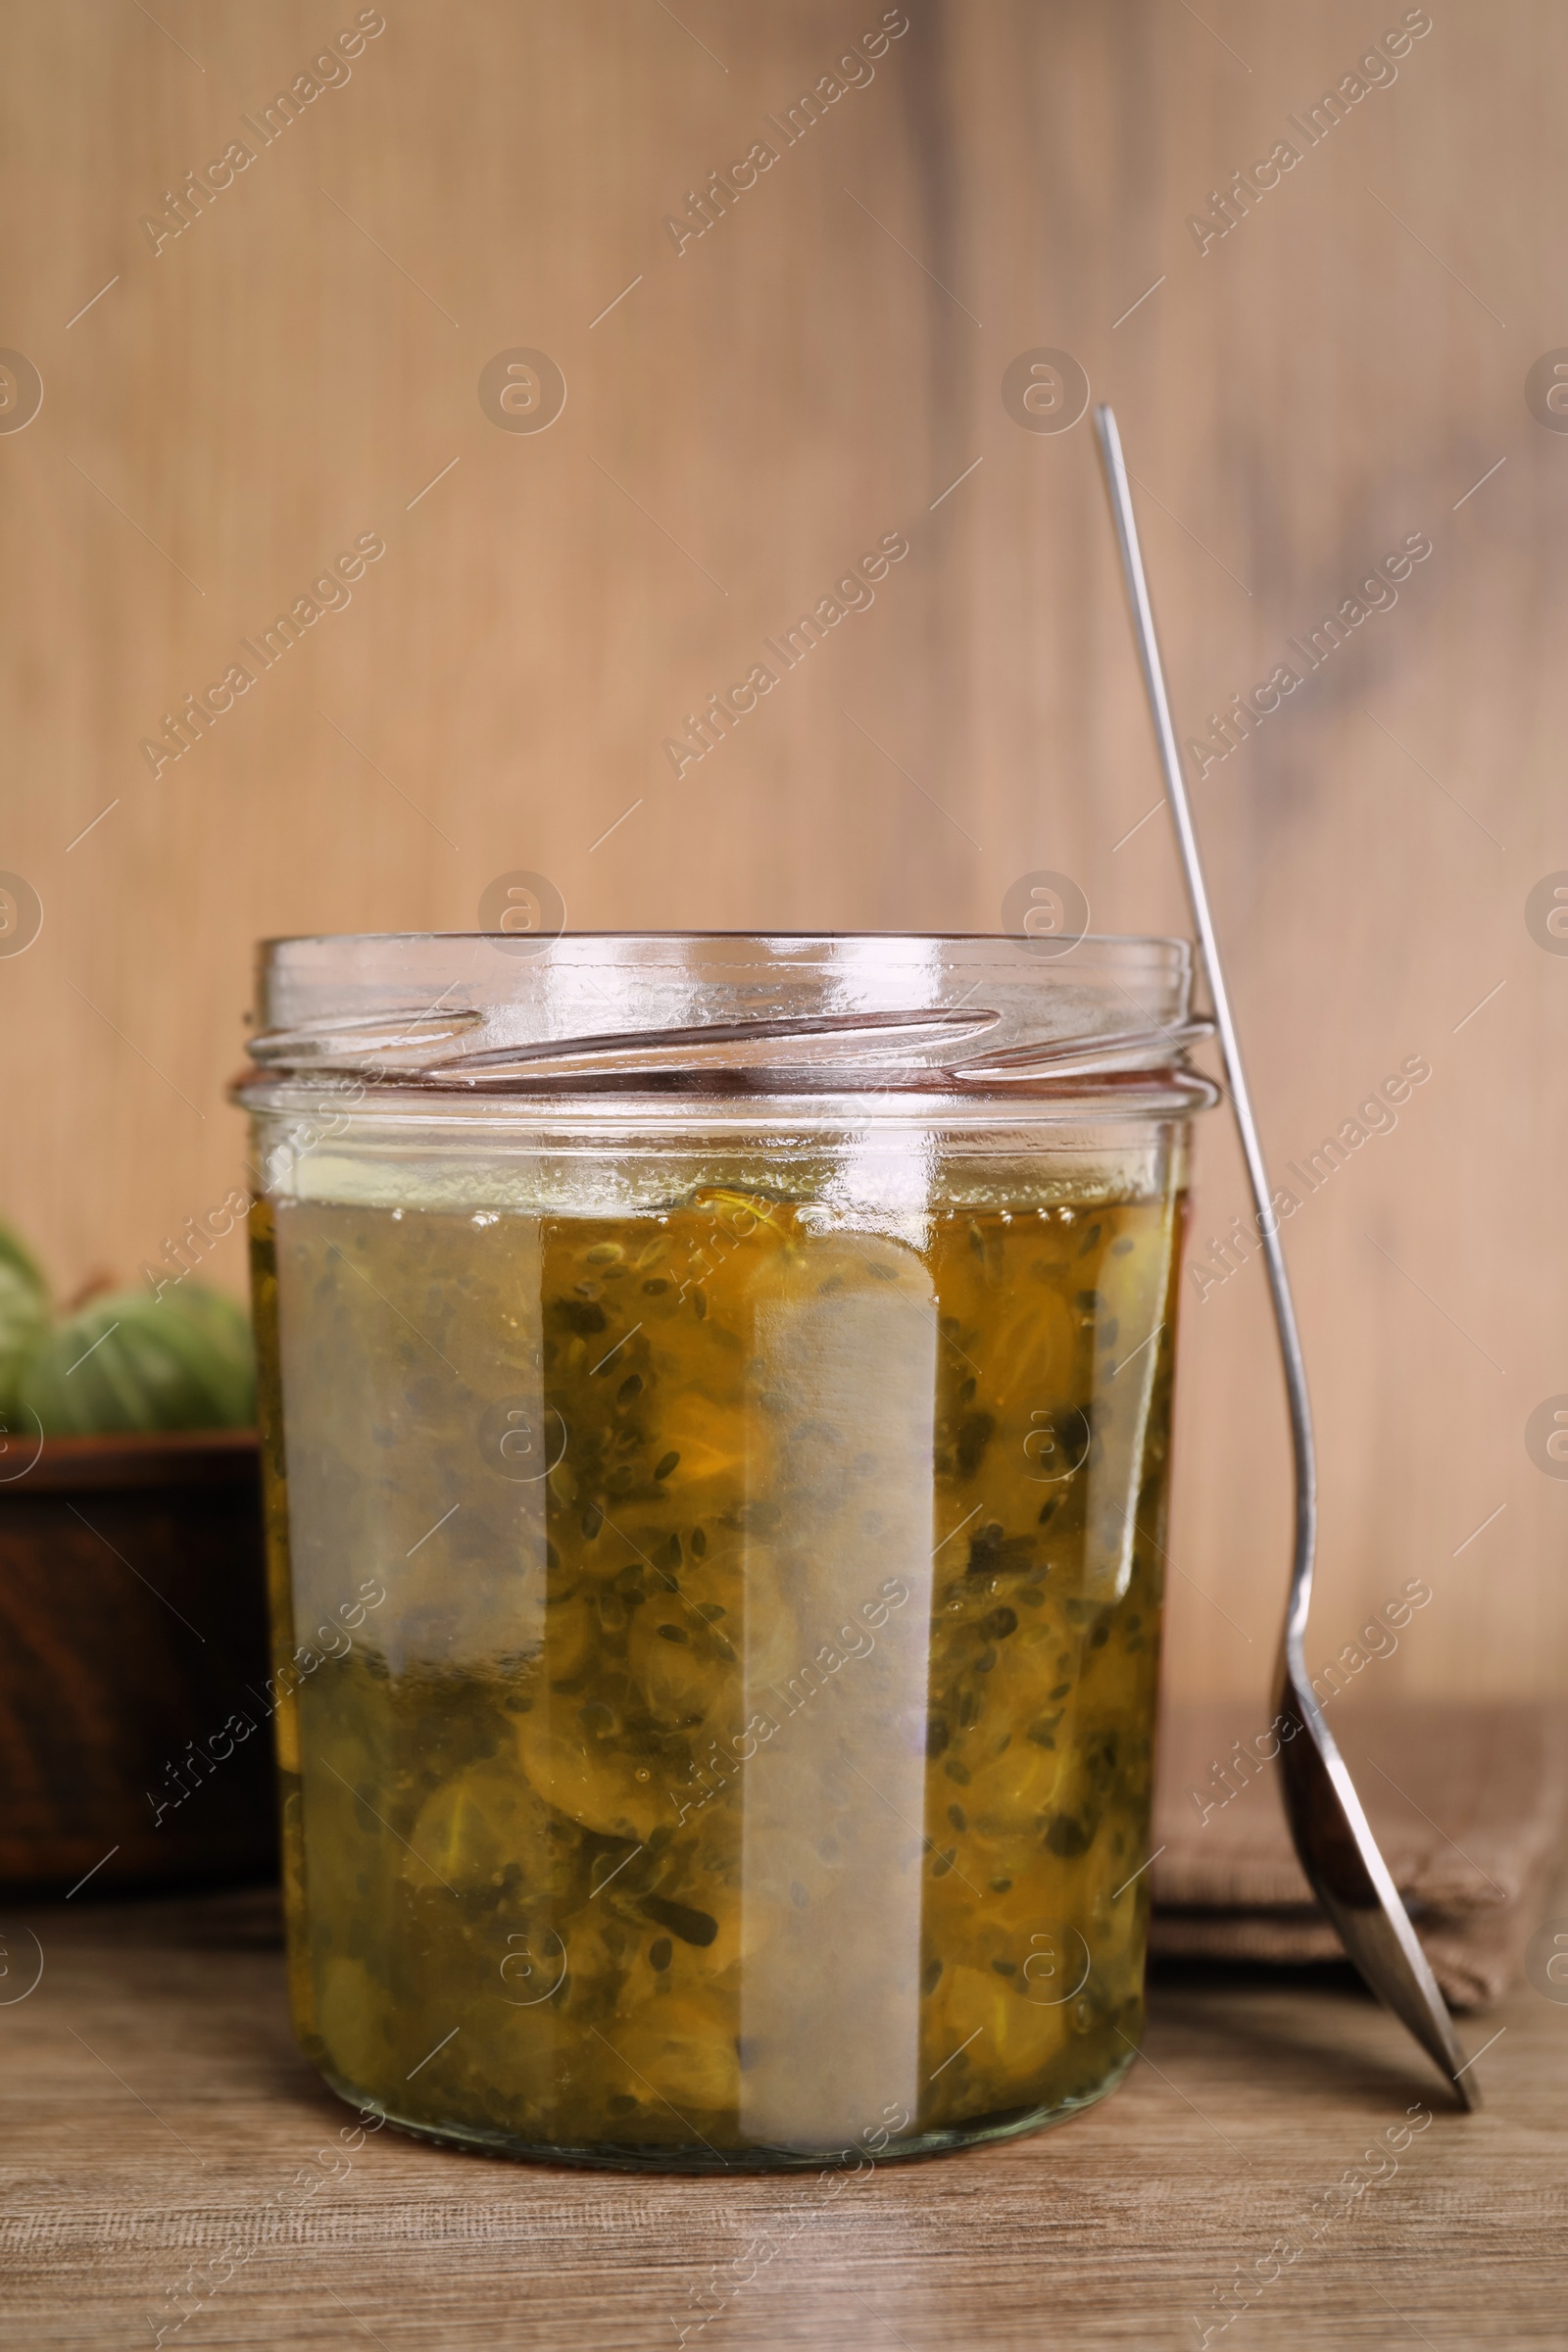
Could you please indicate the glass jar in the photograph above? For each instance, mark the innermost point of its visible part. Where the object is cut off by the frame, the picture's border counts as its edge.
(717, 1408)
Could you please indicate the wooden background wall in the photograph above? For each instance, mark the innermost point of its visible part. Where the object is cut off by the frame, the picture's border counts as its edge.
(302, 362)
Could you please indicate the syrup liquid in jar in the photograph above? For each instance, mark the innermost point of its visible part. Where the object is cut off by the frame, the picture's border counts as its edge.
(717, 1649)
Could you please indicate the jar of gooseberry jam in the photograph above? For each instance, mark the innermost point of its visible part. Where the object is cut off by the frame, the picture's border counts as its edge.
(716, 1419)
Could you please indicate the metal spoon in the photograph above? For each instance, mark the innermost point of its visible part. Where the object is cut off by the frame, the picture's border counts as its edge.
(1336, 1848)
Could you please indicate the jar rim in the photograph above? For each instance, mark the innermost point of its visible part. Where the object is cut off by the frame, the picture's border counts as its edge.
(1176, 945)
(593, 1011)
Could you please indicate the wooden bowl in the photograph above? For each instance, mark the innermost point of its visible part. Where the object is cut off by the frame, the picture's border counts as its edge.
(132, 1647)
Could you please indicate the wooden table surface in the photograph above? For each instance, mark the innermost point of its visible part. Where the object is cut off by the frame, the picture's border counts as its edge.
(152, 2103)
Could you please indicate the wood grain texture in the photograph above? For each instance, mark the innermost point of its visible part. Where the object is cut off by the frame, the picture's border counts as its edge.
(153, 2104)
(301, 365)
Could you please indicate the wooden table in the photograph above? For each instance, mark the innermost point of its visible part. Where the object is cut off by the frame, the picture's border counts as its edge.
(152, 2101)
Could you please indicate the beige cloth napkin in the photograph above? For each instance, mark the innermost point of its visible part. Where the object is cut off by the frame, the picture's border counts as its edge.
(1468, 1803)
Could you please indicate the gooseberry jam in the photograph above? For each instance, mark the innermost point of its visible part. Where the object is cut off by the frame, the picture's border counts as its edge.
(715, 1404)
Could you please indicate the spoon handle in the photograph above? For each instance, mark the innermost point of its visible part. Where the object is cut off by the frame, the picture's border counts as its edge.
(1301, 1448)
